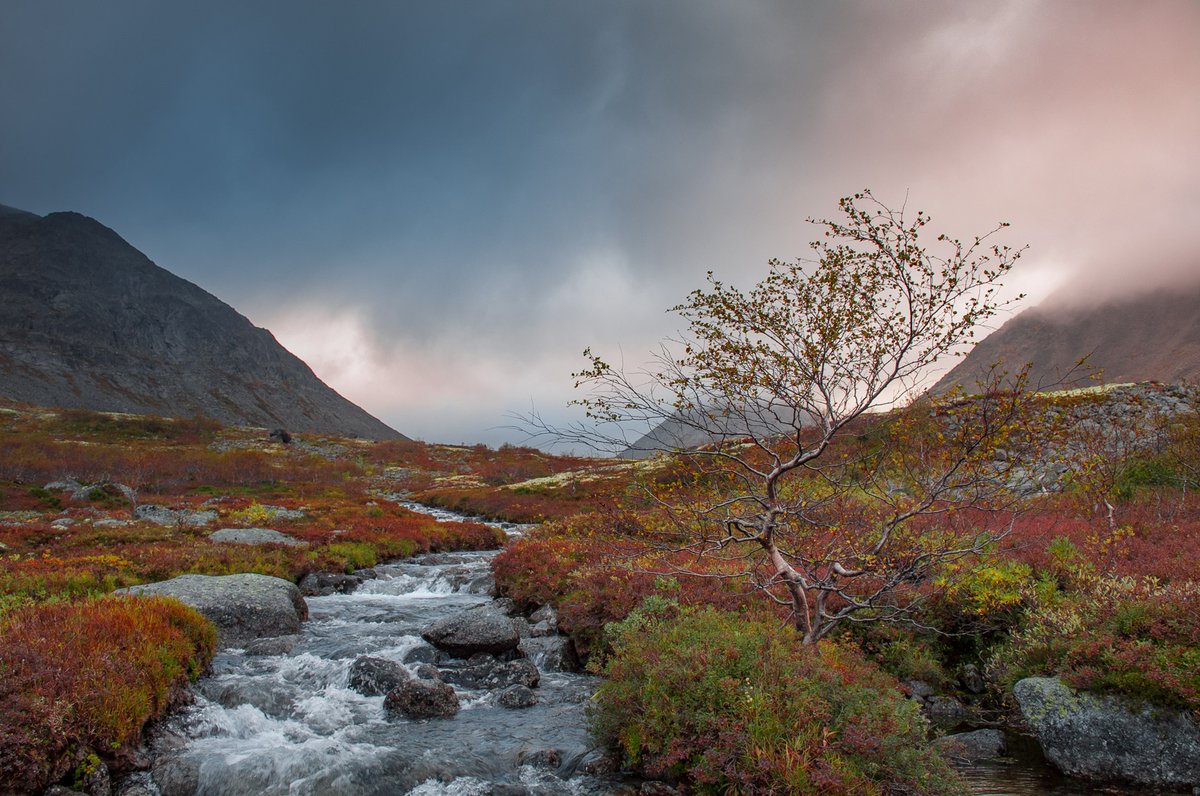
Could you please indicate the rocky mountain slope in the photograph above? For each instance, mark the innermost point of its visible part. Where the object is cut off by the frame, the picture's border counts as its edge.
(88, 321)
(1153, 336)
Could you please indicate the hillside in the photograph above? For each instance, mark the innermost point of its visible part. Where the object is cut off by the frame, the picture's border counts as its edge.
(90, 322)
(1153, 336)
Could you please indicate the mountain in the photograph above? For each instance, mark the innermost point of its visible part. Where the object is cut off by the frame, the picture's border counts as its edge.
(1151, 336)
(88, 321)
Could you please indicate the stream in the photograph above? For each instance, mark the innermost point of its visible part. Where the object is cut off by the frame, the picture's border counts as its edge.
(288, 723)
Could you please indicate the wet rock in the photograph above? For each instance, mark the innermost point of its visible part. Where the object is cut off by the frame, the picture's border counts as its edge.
(272, 647)
(423, 699)
(551, 653)
(176, 776)
(598, 763)
(517, 696)
(424, 655)
(494, 674)
(366, 573)
(945, 712)
(540, 758)
(427, 671)
(656, 788)
(62, 790)
(323, 584)
(372, 676)
(243, 607)
(1106, 737)
(971, 746)
(480, 629)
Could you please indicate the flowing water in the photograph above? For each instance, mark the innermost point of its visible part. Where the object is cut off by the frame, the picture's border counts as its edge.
(289, 723)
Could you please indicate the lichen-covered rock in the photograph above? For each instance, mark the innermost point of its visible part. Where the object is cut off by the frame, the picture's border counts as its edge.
(372, 676)
(254, 536)
(1105, 737)
(161, 515)
(243, 607)
(477, 630)
(423, 699)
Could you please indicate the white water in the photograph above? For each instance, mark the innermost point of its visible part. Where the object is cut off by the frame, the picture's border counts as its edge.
(289, 723)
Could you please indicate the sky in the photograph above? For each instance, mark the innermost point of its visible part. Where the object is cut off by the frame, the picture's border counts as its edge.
(438, 205)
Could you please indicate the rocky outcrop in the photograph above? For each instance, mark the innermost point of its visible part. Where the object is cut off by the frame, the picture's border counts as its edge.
(481, 629)
(1108, 738)
(243, 607)
(89, 322)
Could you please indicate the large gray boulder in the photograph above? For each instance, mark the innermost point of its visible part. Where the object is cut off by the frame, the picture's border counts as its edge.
(1106, 737)
(243, 607)
(481, 629)
(254, 536)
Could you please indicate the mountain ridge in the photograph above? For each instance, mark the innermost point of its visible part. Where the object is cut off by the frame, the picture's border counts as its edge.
(1152, 335)
(91, 322)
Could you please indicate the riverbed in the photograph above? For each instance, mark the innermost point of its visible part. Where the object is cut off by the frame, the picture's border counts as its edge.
(287, 722)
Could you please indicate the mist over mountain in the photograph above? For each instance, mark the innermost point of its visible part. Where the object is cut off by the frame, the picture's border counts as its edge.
(89, 321)
(1147, 336)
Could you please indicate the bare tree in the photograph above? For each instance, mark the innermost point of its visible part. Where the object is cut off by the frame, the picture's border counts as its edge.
(830, 506)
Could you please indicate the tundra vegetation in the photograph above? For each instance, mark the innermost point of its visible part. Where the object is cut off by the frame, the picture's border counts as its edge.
(81, 671)
(599, 557)
(811, 470)
(760, 607)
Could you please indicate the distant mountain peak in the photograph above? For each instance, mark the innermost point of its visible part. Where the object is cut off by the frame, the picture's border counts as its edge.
(1152, 335)
(90, 322)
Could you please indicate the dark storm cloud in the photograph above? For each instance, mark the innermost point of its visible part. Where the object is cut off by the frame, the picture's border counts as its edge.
(439, 204)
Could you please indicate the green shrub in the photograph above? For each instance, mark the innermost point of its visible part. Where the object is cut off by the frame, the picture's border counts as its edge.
(735, 704)
(1136, 638)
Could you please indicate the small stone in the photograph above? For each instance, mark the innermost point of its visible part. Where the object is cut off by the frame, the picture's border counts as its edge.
(517, 696)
